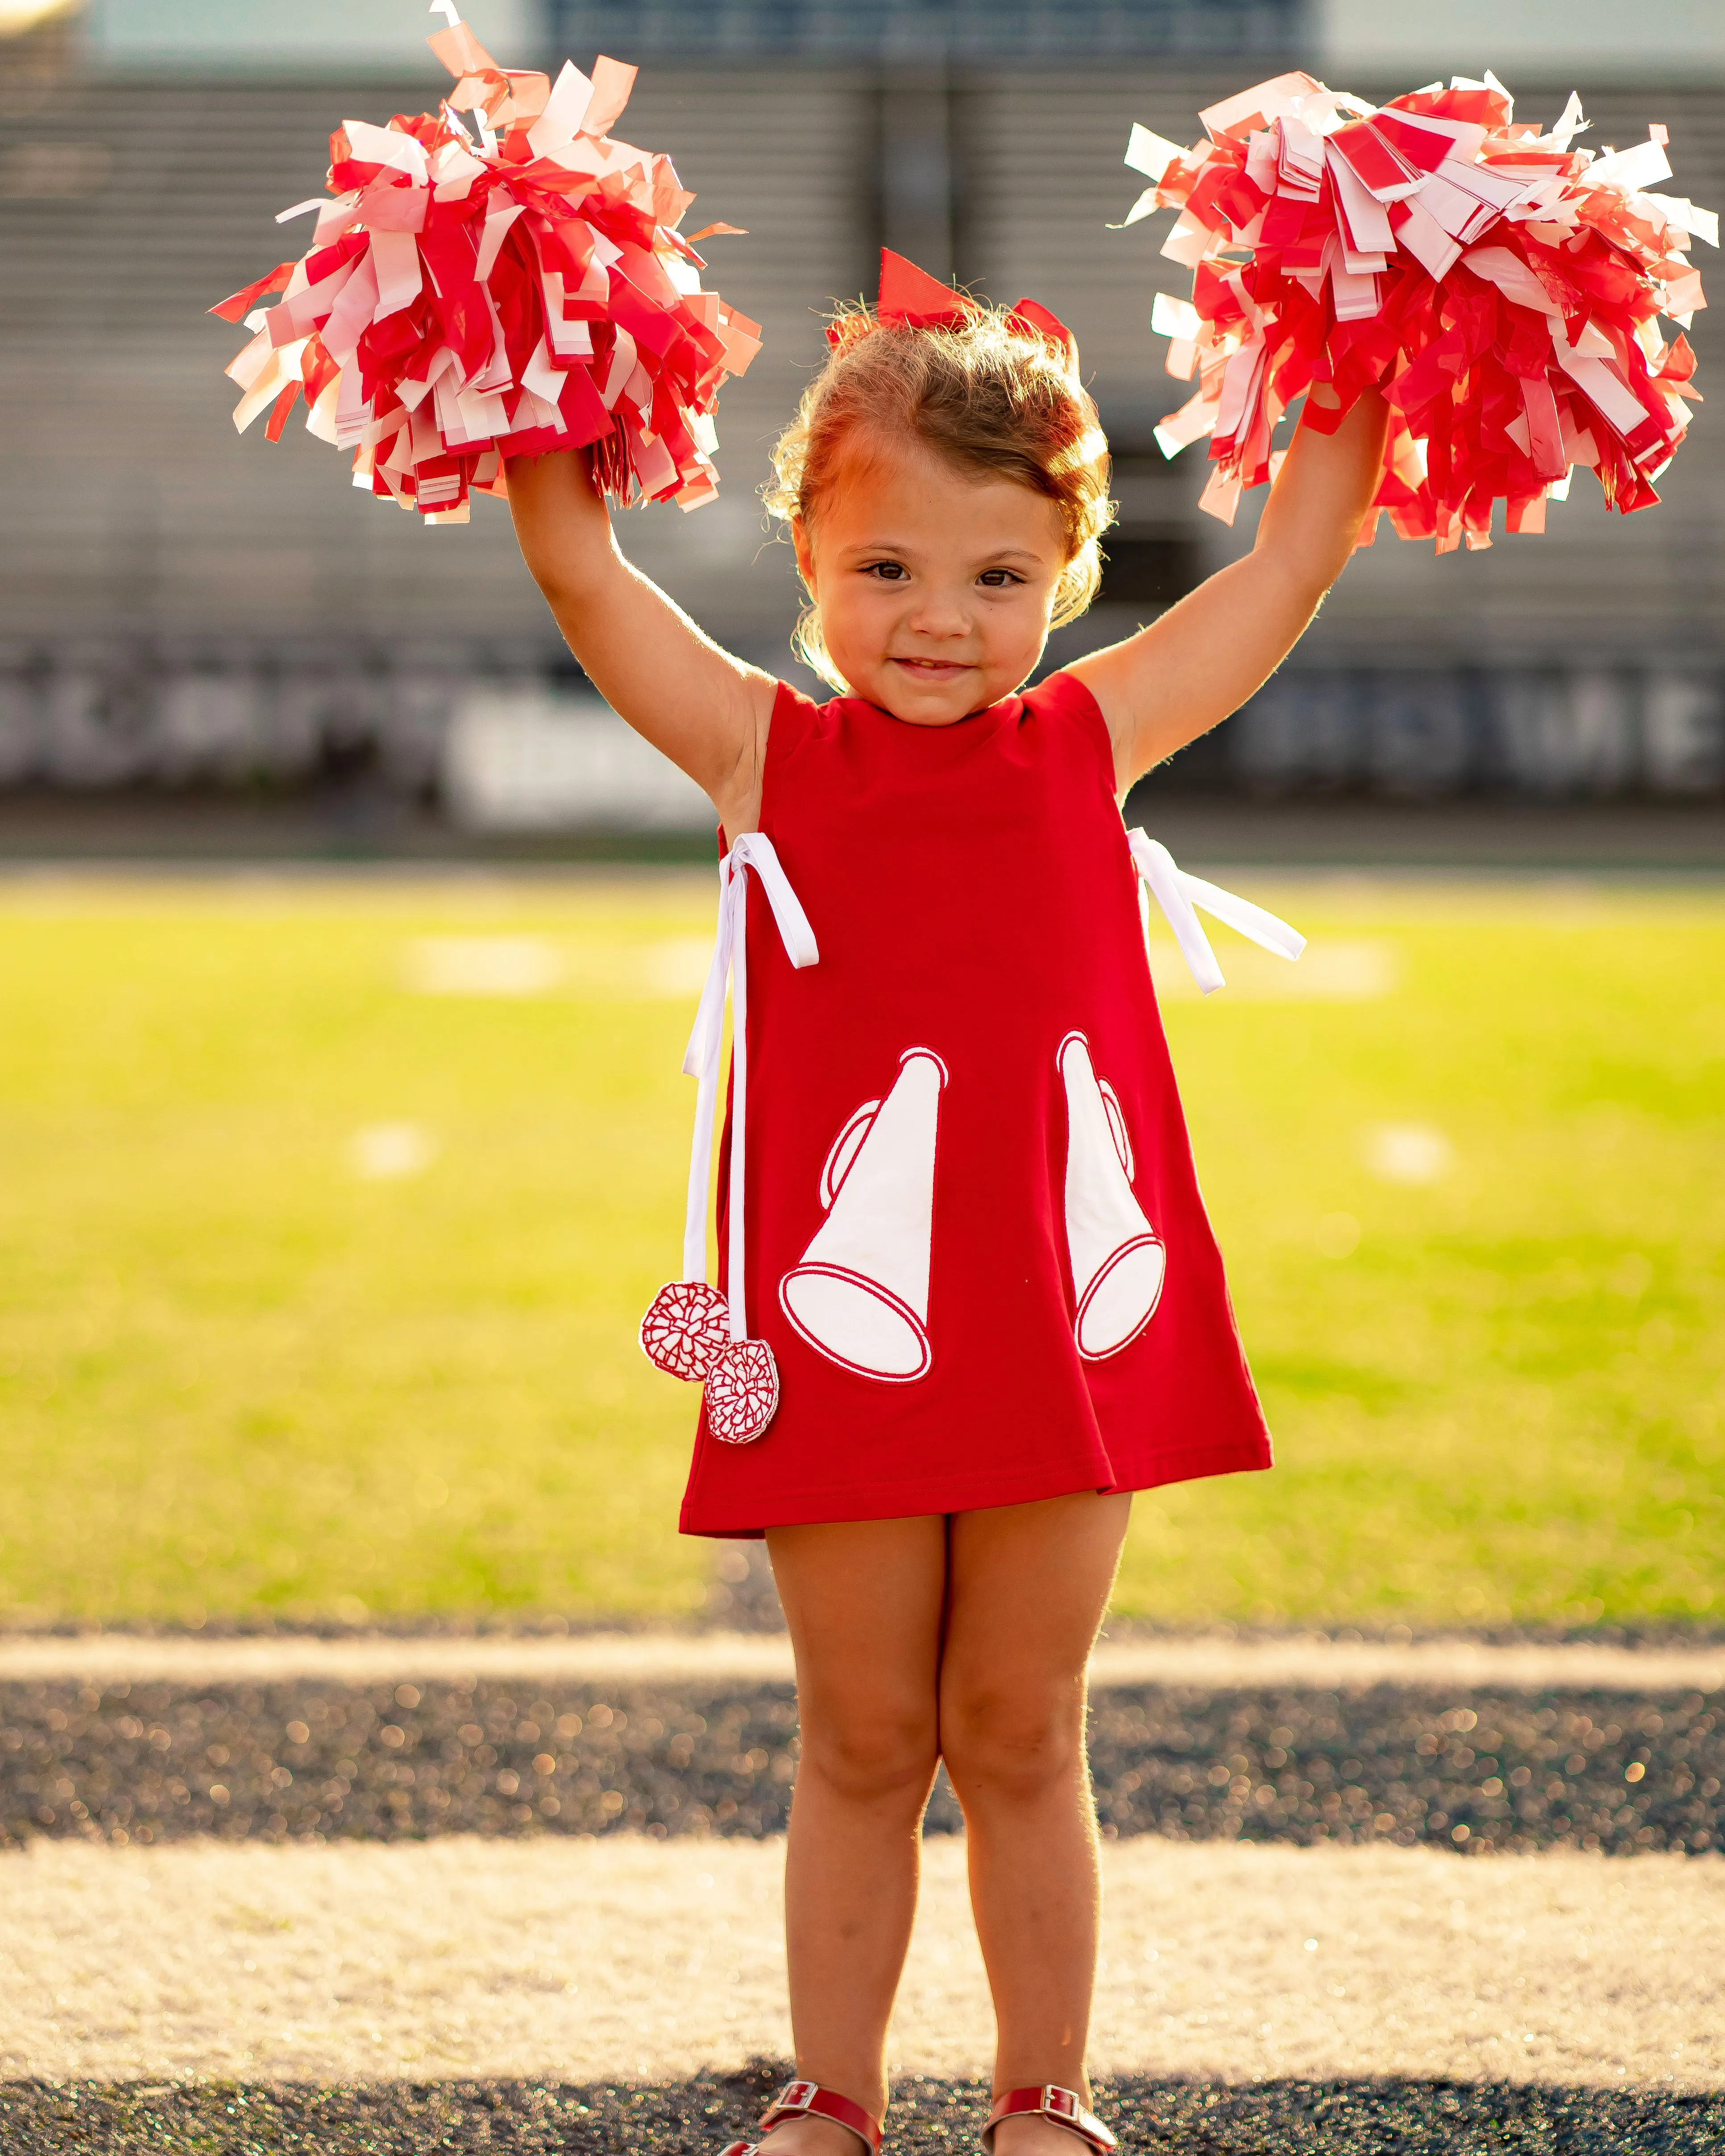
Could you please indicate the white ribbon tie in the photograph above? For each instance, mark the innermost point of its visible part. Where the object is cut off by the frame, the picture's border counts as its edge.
(730, 966)
(1177, 893)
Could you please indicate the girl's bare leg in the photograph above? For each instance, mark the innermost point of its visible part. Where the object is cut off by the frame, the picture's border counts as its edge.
(1027, 1588)
(863, 1601)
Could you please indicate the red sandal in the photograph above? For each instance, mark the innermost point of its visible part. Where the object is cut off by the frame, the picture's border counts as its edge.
(798, 2100)
(1061, 2105)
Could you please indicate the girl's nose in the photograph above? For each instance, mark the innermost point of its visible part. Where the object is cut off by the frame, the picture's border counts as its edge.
(938, 613)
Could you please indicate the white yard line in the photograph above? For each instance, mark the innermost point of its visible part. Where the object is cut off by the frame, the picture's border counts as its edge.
(1355, 1664)
(627, 1958)
(765, 1657)
(602, 1657)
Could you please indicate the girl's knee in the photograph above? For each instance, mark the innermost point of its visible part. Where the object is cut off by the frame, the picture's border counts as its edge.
(870, 1752)
(1016, 1746)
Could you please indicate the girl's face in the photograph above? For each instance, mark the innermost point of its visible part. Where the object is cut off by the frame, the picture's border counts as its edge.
(935, 585)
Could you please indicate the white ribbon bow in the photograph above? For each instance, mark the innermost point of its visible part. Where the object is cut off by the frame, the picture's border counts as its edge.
(1178, 893)
(752, 851)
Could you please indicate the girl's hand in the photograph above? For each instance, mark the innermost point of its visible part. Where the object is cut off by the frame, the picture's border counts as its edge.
(1202, 659)
(705, 710)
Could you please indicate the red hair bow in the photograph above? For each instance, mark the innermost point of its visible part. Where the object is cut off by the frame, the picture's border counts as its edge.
(911, 295)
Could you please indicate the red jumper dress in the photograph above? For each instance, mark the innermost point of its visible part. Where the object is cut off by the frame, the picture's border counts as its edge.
(974, 1240)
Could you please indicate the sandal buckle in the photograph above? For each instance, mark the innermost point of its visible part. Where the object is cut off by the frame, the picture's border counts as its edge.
(1059, 2102)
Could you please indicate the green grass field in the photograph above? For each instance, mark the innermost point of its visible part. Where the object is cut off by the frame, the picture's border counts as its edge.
(318, 1292)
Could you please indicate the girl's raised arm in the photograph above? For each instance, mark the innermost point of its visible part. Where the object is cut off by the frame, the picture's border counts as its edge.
(1201, 660)
(705, 710)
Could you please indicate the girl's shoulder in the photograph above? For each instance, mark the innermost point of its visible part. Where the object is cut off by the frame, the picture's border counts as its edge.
(1062, 696)
(798, 723)
(795, 715)
(1063, 700)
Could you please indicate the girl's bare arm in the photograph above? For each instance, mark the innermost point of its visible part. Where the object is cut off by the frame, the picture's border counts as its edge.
(705, 710)
(1201, 660)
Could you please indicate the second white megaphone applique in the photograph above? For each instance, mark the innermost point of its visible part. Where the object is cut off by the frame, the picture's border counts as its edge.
(860, 1293)
(1118, 1260)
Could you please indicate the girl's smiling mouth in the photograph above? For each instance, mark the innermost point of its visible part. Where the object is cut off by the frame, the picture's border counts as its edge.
(935, 669)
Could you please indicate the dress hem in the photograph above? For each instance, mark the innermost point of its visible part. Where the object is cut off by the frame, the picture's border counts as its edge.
(794, 1508)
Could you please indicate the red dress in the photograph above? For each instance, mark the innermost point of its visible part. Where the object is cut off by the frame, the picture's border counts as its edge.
(975, 1243)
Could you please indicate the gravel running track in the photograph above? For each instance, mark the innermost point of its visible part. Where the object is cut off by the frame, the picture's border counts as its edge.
(155, 1763)
(1395, 2118)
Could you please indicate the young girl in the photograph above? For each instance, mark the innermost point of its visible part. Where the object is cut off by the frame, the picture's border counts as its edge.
(964, 1210)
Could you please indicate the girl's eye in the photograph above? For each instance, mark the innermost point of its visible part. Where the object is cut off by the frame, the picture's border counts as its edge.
(998, 580)
(888, 572)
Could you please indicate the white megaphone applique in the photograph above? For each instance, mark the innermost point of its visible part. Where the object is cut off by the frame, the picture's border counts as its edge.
(1118, 1258)
(860, 1294)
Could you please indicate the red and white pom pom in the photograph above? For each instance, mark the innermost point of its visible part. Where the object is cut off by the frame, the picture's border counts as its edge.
(687, 1327)
(1503, 287)
(514, 288)
(686, 1333)
(741, 1395)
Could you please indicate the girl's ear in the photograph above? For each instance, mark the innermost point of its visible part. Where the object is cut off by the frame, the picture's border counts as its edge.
(805, 554)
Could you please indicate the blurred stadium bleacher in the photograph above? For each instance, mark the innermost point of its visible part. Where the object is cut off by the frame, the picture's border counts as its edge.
(183, 610)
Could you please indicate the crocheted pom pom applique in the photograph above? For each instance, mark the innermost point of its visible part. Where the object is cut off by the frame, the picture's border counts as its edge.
(1503, 287)
(686, 1333)
(687, 1327)
(742, 1395)
(498, 277)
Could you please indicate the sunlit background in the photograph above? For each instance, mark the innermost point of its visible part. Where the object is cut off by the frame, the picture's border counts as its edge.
(347, 945)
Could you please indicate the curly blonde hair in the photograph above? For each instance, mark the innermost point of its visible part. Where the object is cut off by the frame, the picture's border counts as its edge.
(996, 395)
